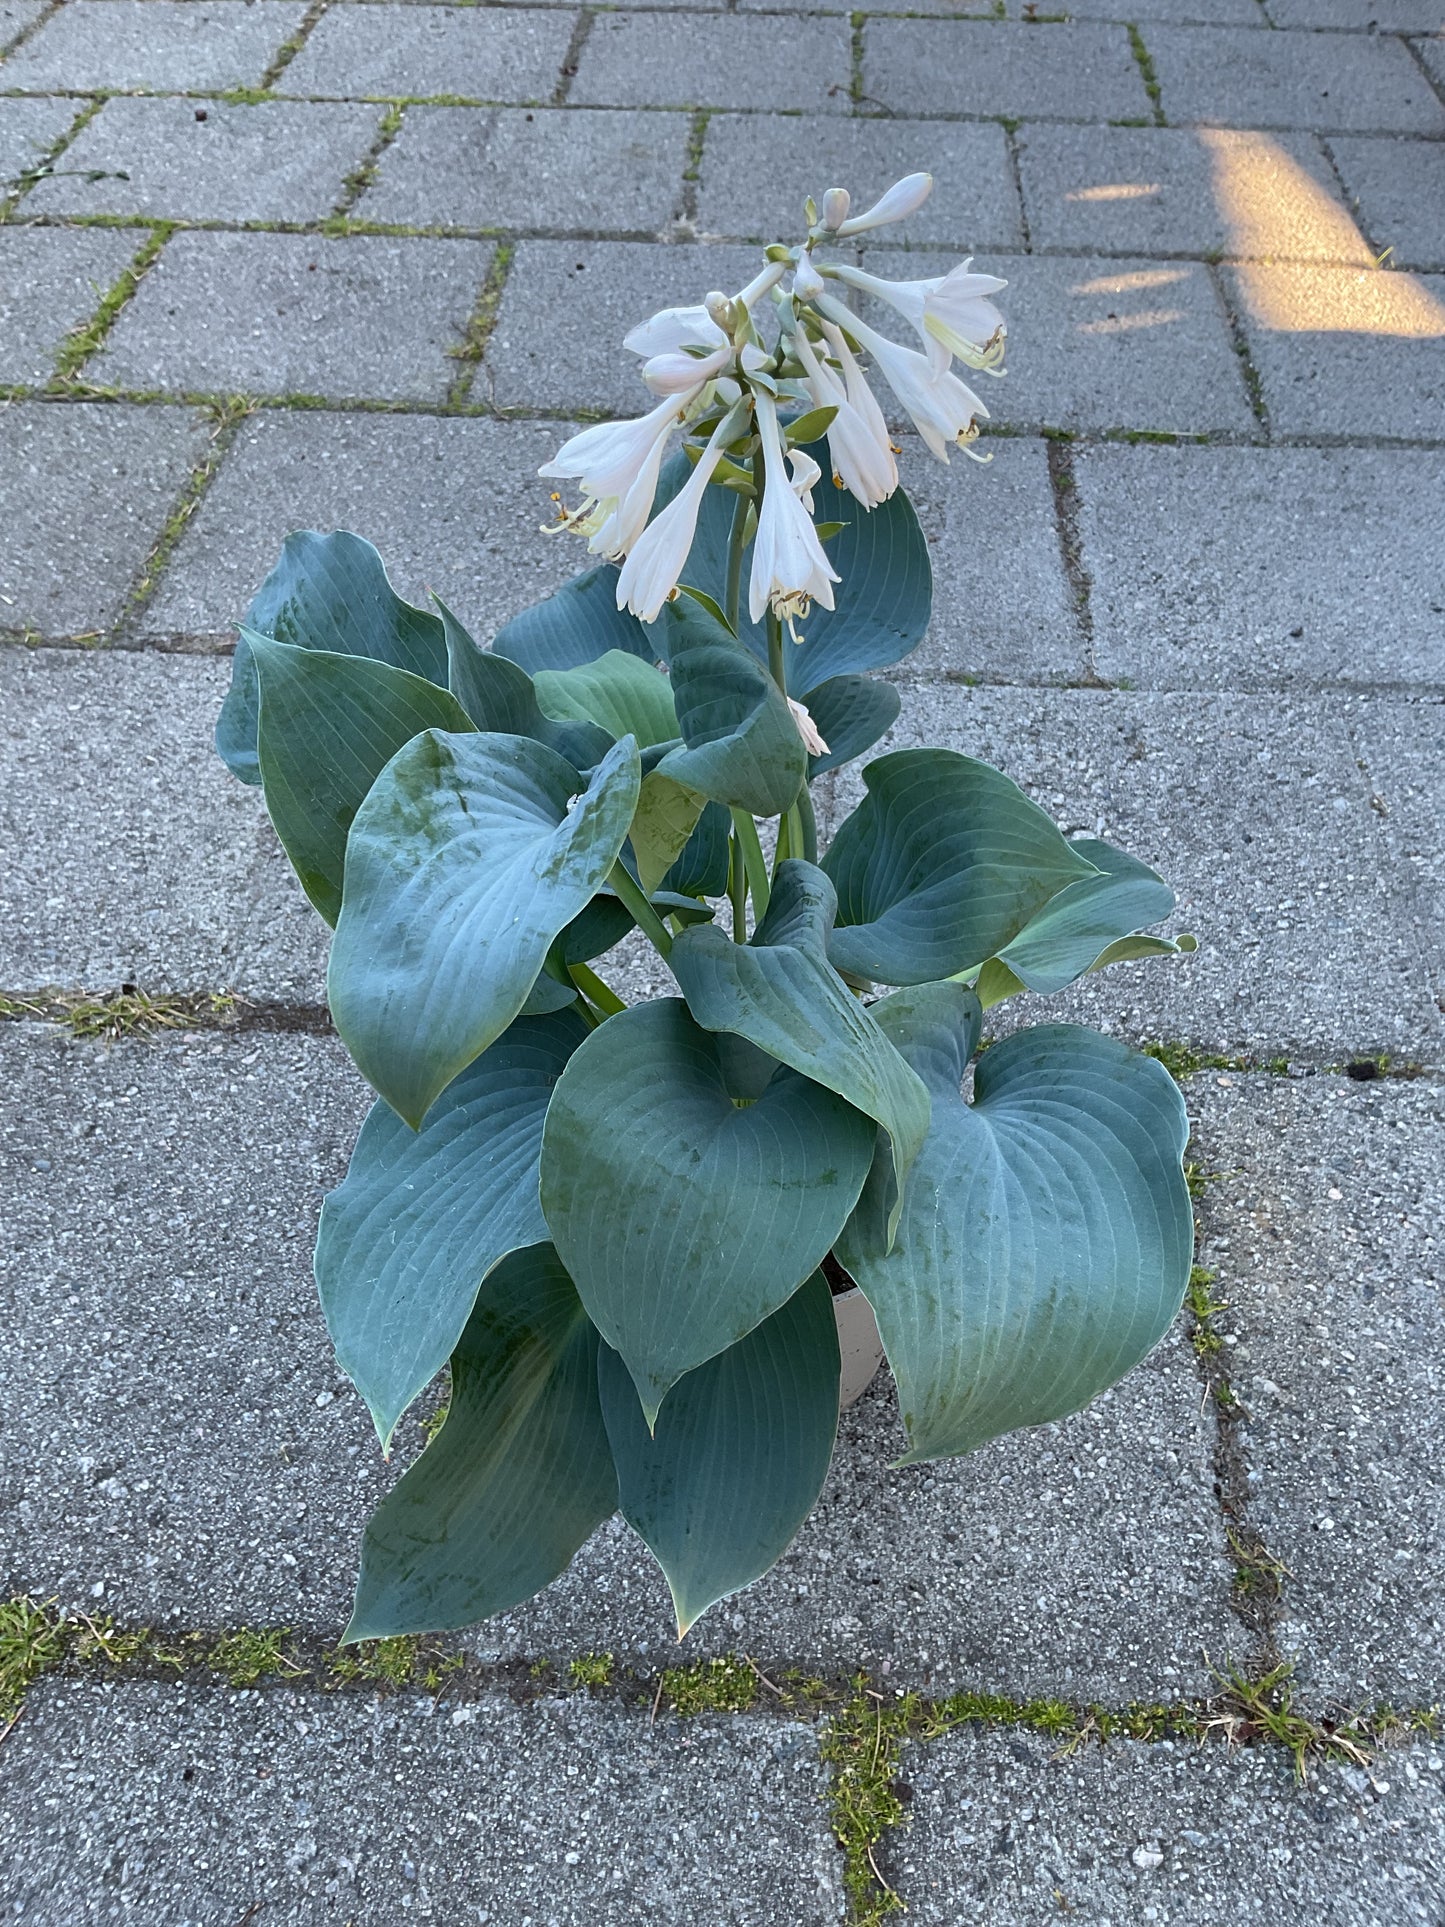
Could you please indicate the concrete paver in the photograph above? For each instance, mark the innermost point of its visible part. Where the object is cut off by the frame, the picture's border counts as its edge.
(1323, 1230)
(153, 46)
(454, 506)
(17, 17)
(1333, 83)
(1185, 190)
(1235, 568)
(792, 62)
(1083, 72)
(1346, 351)
(1001, 1827)
(974, 203)
(148, 863)
(386, 51)
(574, 170)
(92, 487)
(28, 130)
(49, 285)
(1360, 16)
(280, 314)
(211, 161)
(1402, 746)
(156, 1801)
(1399, 188)
(1432, 53)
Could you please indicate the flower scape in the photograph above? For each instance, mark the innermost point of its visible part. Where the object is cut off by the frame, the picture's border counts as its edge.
(611, 1221)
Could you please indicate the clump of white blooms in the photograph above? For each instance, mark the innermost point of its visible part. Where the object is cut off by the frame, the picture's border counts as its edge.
(746, 410)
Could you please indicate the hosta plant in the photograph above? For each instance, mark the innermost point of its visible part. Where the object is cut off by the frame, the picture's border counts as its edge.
(618, 1225)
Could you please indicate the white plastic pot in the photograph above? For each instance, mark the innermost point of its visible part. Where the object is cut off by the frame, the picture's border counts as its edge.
(859, 1343)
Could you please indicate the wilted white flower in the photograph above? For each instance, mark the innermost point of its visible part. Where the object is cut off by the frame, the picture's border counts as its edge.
(808, 730)
(905, 197)
(659, 553)
(951, 313)
(858, 442)
(790, 571)
(940, 407)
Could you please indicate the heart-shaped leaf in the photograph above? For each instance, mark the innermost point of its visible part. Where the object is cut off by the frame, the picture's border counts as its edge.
(620, 692)
(1046, 1238)
(579, 623)
(469, 856)
(499, 696)
(702, 869)
(740, 744)
(329, 725)
(667, 814)
(739, 1455)
(519, 1475)
(882, 603)
(942, 864)
(685, 1220)
(327, 592)
(1074, 929)
(780, 992)
(850, 713)
(422, 1216)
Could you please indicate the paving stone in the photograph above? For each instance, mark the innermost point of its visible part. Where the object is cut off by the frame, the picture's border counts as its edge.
(28, 131)
(1227, 798)
(87, 489)
(571, 169)
(751, 184)
(51, 282)
(453, 505)
(273, 161)
(1081, 1557)
(1361, 16)
(1004, 1827)
(1324, 1233)
(1432, 52)
(1000, 68)
(1207, 13)
(1240, 567)
(1331, 83)
(135, 857)
(1345, 351)
(1002, 609)
(368, 316)
(1402, 746)
(1111, 344)
(383, 51)
(1399, 189)
(788, 61)
(162, 1801)
(557, 342)
(154, 46)
(1181, 190)
(18, 15)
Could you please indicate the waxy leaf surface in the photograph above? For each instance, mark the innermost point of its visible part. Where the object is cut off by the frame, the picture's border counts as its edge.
(739, 1455)
(580, 622)
(498, 695)
(619, 692)
(519, 1475)
(1046, 1236)
(850, 713)
(943, 863)
(468, 858)
(422, 1216)
(685, 1220)
(740, 744)
(1077, 927)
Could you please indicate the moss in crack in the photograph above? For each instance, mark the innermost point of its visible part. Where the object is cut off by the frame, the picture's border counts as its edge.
(592, 1670)
(1204, 1308)
(32, 1642)
(473, 344)
(401, 1661)
(355, 184)
(726, 1685)
(243, 1658)
(128, 1012)
(1144, 60)
(226, 418)
(82, 342)
(862, 1744)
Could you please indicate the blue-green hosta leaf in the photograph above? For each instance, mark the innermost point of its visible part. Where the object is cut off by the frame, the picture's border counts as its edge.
(740, 744)
(1074, 929)
(498, 695)
(1046, 1236)
(519, 1475)
(620, 692)
(327, 592)
(780, 992)
(850, 713)
(579, 623)
(702, 869)
(684, 1220)
(422, 1216)
(942, 864)
(667, 814)
(329, 725)
(468, 858)
(740, 1452)
(882, 602)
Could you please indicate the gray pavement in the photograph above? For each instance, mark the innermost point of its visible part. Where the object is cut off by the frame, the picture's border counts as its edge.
(363, 265)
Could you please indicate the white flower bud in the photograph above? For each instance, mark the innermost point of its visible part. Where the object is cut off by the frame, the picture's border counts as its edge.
(905, 197)
(807, 282)
(720, 311)
(836, 203)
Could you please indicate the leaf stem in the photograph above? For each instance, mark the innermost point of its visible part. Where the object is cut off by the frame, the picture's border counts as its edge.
(594, 990)
(777, 669)
(755, 863)
(738, 541)
(635, 900)
(738, 890)
(808, 825)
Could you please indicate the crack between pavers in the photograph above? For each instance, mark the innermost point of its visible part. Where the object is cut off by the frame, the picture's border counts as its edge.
(226, 425)
(1249, 374)
(293, 44)
(27, 178)
(469, 354)
(1436, 87)
(1016, 176)
(1064, 490)
(88, 337)
(8, 47)
(360, 178)
(572, 58)
(1144, 61)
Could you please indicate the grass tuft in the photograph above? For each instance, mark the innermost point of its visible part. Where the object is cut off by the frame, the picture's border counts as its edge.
(592, 1669)
(32, 1641)
(727, 1685)
(245, 1657)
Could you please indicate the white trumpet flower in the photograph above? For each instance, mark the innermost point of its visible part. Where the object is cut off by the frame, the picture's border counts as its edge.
(806, 473)
(615, 465)
(858, 444)
(790, 571)
(659, 554)
(940, 407)
(905, 197)
(807, 729)
(951, 313)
